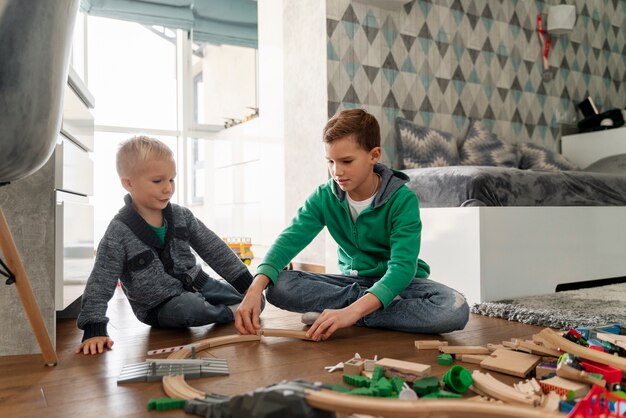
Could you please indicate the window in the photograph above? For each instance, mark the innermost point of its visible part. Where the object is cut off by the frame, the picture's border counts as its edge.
(224, 84)
(133, 71)
(78, 47)
(196, 172)
(132, 74)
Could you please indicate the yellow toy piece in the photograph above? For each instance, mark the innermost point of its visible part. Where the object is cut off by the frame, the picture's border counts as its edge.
(241, 246)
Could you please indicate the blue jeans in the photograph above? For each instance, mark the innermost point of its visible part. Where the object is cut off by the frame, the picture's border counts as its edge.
(194, 309)
(424, 307)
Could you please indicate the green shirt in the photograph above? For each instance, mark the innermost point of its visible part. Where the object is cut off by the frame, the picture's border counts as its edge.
(160, 231)
(383, 241)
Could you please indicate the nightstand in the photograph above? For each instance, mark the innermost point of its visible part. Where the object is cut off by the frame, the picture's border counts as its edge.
(585, 149)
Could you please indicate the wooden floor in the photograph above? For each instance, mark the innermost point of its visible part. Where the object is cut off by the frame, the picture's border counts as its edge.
(87, 386)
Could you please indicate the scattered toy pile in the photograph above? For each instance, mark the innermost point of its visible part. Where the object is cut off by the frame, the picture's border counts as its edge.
(579, 373)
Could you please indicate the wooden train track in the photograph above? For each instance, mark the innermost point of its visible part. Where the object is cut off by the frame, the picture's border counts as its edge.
(327, 400)
(177, 387)
(566, 345)
(234, 339)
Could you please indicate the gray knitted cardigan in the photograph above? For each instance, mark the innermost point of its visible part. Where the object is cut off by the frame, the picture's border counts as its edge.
(151, 273)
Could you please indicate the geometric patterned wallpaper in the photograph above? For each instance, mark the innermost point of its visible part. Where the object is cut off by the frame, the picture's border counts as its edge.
(440, 63)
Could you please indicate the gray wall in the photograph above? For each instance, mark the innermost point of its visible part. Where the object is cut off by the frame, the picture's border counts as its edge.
(28, 205)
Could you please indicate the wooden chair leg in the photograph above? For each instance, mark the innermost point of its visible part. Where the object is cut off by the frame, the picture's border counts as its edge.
(25, 291)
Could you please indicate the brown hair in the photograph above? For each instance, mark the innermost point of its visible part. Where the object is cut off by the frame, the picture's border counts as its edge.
(140, 148)
(355, 122)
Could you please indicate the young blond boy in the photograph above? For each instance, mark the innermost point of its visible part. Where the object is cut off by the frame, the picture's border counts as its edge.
(147, 246)
(375, 220)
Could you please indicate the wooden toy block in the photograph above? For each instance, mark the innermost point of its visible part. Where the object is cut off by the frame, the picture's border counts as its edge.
(510, 362)
(369, 364)
(564, 387)
(429, 344)
(353, 366)
(535, 348)
(472, 358)
(407, 370)
(517, 347)
(493, 347)
(464, 349)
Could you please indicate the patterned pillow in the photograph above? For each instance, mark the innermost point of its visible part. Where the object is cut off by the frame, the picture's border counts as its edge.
(536, 157)
(482, 147)
(419, 146)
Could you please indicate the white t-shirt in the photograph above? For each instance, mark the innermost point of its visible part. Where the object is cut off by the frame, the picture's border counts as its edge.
(356, 207)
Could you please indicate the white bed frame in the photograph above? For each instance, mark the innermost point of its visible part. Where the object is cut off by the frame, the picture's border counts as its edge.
(493, 253)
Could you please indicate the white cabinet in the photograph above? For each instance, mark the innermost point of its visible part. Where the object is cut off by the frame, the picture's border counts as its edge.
(585, 149)
(73, 186)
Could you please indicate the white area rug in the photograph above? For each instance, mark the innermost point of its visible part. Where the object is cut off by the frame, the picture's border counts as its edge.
(584, 307)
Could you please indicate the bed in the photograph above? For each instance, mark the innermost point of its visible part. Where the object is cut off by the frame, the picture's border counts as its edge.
(495, 233)
(503, 220)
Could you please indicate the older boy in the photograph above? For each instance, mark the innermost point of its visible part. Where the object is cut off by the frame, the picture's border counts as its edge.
(375, 220)
(147, 246)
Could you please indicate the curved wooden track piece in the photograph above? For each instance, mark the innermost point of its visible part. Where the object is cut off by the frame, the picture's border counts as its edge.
(176, 387)
(555, 339)
(211, 343)
(343, 403)
(494, 388)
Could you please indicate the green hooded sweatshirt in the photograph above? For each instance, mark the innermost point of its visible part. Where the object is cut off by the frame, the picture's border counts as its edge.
(383, 242)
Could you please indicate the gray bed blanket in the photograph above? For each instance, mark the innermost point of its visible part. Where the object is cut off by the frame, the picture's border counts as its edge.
(499, 186)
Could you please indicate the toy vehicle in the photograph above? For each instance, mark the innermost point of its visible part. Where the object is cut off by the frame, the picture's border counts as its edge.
(241, 247)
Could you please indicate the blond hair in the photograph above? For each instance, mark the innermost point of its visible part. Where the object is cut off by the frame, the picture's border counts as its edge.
(140, 148)
(357, 122)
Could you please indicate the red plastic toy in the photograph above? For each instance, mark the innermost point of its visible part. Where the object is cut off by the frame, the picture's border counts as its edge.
(599, 403)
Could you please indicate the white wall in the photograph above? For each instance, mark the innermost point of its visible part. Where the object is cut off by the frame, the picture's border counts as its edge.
(306, 109)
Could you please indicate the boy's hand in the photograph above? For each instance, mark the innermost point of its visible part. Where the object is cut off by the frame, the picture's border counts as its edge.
(247, 315)
(333, 319)
(330, 321)
(94, 345)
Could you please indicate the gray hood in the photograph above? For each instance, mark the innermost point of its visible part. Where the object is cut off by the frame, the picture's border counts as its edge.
(391, 180)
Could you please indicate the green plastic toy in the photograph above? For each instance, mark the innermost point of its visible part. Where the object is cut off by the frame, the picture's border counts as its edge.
(165, 404)
(426, 385)
(445, 359)
(458, 379)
